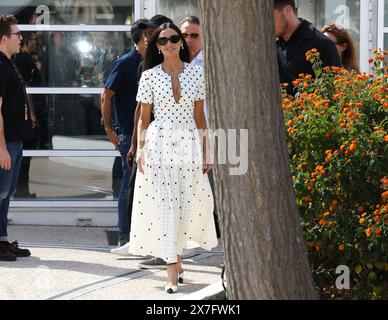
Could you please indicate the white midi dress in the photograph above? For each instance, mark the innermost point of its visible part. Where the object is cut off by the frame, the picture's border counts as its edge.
(173, 202)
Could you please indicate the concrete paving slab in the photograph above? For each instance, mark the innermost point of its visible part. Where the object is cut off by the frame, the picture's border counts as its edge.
(72, 263)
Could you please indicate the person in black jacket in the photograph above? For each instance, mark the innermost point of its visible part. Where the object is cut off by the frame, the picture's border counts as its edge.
(295, 37)
(15, 127)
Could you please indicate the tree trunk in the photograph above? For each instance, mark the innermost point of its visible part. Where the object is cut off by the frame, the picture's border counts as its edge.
(265, 254)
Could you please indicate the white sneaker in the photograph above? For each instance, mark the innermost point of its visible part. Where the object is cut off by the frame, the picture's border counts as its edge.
(122, 251)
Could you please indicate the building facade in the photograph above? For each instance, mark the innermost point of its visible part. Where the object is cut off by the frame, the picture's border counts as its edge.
(74, 44)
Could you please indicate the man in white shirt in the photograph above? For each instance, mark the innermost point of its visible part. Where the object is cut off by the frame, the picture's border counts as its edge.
(191, 30)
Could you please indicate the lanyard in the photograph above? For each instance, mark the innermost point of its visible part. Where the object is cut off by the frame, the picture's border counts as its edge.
(26, 113)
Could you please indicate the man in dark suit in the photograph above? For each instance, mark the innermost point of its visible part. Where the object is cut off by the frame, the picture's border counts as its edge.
(295, 37)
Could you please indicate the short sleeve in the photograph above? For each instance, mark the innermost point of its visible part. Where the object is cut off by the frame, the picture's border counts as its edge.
(200, 92)
(115, 78)
(145, 93)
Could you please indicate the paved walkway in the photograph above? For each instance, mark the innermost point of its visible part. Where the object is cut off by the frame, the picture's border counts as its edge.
(73, 263)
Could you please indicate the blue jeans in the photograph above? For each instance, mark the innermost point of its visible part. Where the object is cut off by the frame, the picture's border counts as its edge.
(8, 183)
(123, 221)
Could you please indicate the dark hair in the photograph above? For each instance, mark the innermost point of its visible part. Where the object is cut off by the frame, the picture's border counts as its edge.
(27, 37)
(280, 4)
(153, 58)
(137, 31)
(191, 20)
(5, 25)
(349, 56)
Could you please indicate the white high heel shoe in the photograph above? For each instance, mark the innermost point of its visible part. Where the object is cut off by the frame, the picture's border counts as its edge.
(174, 288)
(171, 289)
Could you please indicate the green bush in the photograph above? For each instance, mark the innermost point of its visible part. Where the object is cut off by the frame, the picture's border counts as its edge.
(337, 137)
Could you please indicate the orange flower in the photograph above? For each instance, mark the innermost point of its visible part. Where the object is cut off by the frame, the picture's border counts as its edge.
(296, 83)
(377, 219)
(322, 223)
(326, 214)
(384, 180)
(341, 247)
(386, 138)
(362, 221)
(368, 232)
(378, 231)
(385, 195)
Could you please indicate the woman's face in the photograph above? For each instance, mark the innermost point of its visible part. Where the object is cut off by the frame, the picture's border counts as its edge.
(170, 48)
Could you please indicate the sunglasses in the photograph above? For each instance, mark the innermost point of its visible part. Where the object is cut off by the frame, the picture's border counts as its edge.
(194, 36)
(173, 39)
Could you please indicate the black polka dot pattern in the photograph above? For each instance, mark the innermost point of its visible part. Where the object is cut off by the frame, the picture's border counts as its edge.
(173, 202)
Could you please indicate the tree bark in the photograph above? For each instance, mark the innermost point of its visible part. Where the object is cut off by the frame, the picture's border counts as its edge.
(265, 254)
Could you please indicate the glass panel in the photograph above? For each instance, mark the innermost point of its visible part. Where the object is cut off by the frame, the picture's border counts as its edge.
(386, 41)
(386, 13)
(69, 122)
(345, 13)
(89, 12)
(177, 9)
(69, 179)
(71, 59)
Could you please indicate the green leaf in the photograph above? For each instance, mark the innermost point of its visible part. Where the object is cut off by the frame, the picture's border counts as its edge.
(379, 265)
(358, 269)
(372, 276)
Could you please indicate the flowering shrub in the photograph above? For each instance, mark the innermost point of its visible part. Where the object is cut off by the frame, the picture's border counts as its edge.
(337, 135)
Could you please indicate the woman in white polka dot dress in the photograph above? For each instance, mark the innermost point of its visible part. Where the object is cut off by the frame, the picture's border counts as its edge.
(173, 201)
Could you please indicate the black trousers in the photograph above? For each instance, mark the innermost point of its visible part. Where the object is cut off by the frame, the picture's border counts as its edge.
(216, 219)
(132, 181)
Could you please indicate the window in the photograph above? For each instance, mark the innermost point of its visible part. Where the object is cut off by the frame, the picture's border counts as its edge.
(70, 12)
(177, 9)
(345, 13)
(73, 44)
